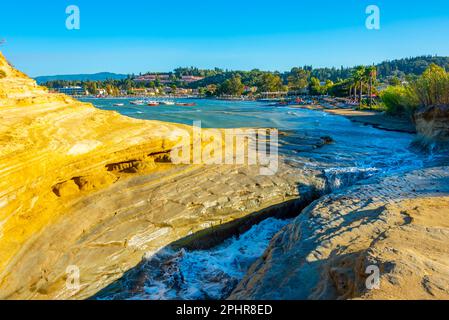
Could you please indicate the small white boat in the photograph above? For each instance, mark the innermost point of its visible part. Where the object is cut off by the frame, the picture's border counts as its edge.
(138, 102)
(119, 104)
(168, 103)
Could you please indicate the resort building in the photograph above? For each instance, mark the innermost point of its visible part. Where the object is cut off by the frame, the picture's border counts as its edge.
(183, 91)
(162, 78)
(191, 79)
(145, 91)
(166, 78)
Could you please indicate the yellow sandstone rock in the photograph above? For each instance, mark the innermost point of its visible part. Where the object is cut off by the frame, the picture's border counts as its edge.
(96, 190)
(53, 147)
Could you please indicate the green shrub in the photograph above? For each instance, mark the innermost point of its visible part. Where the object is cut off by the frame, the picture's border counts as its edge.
(376, 105)
(2, 74)
(432, 88)
(395, 99)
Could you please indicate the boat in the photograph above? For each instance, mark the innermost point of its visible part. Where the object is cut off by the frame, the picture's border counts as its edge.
(186, 104)
(153, 103)
(278, 104)
(119, 104)
(167, 103)
(138, 102)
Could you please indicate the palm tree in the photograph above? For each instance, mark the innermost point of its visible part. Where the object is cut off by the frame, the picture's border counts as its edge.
(361, 77)
(358, 78)
(371, 75)
(351, 85)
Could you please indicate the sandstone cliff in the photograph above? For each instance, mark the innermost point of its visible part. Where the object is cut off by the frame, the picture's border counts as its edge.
(53, 149)
(432, 124)
(96, 190)
(399, 225)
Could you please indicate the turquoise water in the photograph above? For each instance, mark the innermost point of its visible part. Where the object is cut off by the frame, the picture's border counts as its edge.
(212, 113)
(356, 148)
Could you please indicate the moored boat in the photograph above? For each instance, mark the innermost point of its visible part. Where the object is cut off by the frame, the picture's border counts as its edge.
(167, 103)
(186, 104)
(153, 103)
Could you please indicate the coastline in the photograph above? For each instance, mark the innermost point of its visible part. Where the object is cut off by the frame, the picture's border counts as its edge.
(92, 189)
(373, 118)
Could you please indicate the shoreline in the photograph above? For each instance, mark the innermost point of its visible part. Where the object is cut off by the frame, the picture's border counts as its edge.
(373, 118)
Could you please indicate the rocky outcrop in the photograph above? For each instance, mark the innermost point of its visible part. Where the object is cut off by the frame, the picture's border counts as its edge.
(432, 124)
(398, 226)
(94, 190)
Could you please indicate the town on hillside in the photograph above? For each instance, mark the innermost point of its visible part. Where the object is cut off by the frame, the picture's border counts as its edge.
(360, 86)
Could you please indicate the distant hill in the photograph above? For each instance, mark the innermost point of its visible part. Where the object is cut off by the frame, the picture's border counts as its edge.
(394, 68)
(82, 77)
(410, 66)
(398, 68)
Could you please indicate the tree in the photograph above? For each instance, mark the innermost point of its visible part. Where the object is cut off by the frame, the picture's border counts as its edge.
(315, 88)
(329, 84)
(233, 86)
(340, 89)
(395, 99)
(358, 77)
(112, 90)
(91, 87)
(371, 75)
(432, 88)
(269, 82)
(394, 81)
(298, 79)
(127, 84)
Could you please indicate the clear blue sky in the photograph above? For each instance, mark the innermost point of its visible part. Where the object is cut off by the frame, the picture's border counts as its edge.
(142, 35)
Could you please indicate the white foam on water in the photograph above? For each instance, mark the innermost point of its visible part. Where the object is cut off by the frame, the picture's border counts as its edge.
(337, 178)
(204, 274)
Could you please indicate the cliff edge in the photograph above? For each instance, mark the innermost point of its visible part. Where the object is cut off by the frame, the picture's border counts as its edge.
(432, 124)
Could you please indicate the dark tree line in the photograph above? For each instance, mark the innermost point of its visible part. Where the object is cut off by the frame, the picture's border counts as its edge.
(337, 81)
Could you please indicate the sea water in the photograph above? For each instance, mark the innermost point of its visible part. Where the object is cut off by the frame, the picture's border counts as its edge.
(198, 274)
(358, 151)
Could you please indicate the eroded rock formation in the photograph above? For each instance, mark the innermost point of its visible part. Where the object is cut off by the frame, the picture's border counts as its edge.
(432, 124)
(397, 224)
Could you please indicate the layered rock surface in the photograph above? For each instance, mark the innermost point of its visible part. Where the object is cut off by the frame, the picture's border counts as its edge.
(96, 190)
(398, 224)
